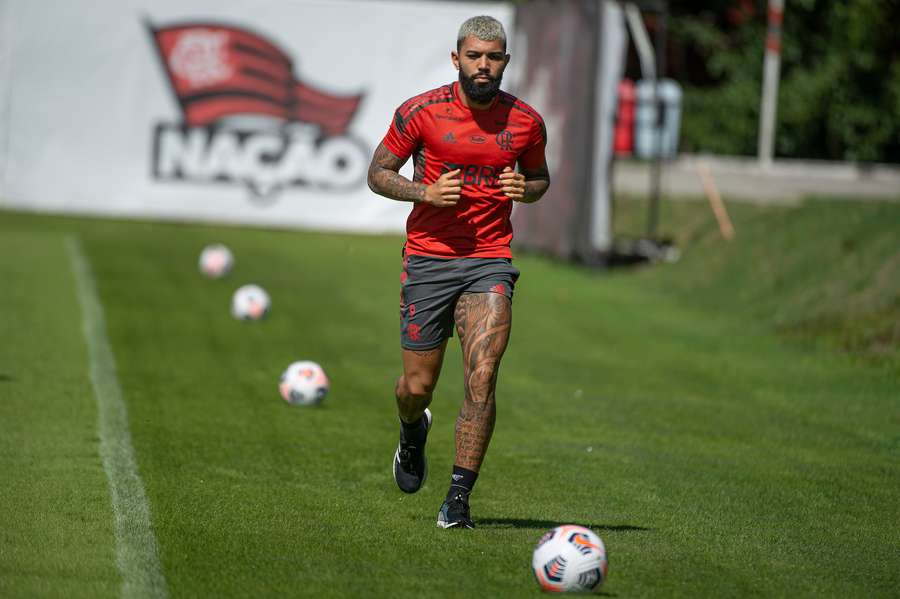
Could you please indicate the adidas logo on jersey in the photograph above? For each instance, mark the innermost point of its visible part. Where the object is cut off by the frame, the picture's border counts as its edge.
(449, 138)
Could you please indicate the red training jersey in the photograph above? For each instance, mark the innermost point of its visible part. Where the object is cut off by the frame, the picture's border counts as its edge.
(442, 134)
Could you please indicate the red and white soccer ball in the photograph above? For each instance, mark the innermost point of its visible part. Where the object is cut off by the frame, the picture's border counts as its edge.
(216, 261)
(303, 384)
(570, 558)
(250, 302)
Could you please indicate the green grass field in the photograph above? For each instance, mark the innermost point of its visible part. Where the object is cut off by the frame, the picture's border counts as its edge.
(729, 424)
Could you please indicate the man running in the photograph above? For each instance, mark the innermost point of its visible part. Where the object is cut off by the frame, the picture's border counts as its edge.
(466, 139)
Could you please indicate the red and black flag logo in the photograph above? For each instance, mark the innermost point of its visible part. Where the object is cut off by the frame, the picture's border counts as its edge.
(218, 71)
(248, 119)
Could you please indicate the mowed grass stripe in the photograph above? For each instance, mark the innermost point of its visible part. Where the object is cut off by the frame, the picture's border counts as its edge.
(137, 554)
(56, 531)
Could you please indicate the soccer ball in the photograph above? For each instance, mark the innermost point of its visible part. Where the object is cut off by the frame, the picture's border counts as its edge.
(250, 302)
(570, 558)
(303, 384)
(216, 261)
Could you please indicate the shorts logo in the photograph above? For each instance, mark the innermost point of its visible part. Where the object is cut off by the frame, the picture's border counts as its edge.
(477, 139)
(414, 332)
(247, 119)
(499, 288)
(504, 139)
(412, 310)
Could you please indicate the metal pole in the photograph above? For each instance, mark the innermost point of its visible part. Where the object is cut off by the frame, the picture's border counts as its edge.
(656, 167)
(771, 69)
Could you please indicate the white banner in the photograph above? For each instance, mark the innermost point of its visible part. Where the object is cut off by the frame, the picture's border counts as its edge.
(256, 112)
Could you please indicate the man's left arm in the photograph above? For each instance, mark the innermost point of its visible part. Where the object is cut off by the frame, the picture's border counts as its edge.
(527, 185)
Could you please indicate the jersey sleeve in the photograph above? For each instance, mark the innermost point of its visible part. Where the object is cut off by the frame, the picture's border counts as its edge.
(533, 156)
(403, 135)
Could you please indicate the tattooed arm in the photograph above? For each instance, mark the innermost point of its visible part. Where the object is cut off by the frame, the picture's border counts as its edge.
(385, 179)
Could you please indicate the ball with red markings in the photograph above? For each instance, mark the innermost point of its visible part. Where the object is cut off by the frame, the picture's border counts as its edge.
(570, 558)
(250, 302)
(216, 261)
(303, 383)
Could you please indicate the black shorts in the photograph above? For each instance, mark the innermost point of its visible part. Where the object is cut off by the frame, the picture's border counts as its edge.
(430, 287)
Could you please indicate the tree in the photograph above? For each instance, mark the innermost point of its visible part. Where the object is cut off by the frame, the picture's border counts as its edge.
(839, 96)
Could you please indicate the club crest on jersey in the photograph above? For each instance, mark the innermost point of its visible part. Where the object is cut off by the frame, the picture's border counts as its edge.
(247, 119)
(504, 140)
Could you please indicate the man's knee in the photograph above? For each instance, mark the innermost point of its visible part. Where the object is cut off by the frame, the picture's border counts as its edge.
(416, 384)
(481, 382)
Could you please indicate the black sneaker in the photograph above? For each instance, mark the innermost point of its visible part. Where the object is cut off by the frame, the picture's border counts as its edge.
(410, 465)
(455, 512)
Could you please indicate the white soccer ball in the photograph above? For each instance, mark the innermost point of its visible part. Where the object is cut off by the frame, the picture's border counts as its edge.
(250, 302)
(303, 384)
(216, 261)
(570, 558)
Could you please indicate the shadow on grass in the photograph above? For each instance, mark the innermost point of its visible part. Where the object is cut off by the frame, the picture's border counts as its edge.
(6, 378)
(548, 524)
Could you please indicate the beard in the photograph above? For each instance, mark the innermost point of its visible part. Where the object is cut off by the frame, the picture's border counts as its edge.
(480, 93)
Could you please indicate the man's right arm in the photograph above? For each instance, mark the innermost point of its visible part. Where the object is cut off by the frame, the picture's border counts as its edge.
(385, 179)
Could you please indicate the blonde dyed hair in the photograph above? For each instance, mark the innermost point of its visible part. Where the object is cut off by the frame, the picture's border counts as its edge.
(484, 28)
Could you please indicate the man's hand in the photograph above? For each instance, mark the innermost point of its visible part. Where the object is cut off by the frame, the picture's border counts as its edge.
(513, 184)
(445, 191)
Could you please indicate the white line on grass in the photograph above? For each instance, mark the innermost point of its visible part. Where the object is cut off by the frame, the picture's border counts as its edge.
(137, 553)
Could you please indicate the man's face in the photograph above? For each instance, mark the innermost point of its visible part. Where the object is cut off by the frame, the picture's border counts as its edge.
(481, 66)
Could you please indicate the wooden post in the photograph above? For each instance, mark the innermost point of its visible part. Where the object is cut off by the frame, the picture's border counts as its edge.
(715, 201)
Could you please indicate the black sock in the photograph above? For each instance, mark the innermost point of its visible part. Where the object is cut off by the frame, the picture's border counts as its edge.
(414, 432)
(462, 481)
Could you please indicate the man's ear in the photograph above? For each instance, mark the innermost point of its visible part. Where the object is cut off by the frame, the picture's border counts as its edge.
(454, 58)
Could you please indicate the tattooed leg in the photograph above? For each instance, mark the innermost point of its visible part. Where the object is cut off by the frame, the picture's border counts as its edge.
(414, 388)
(483, 323)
